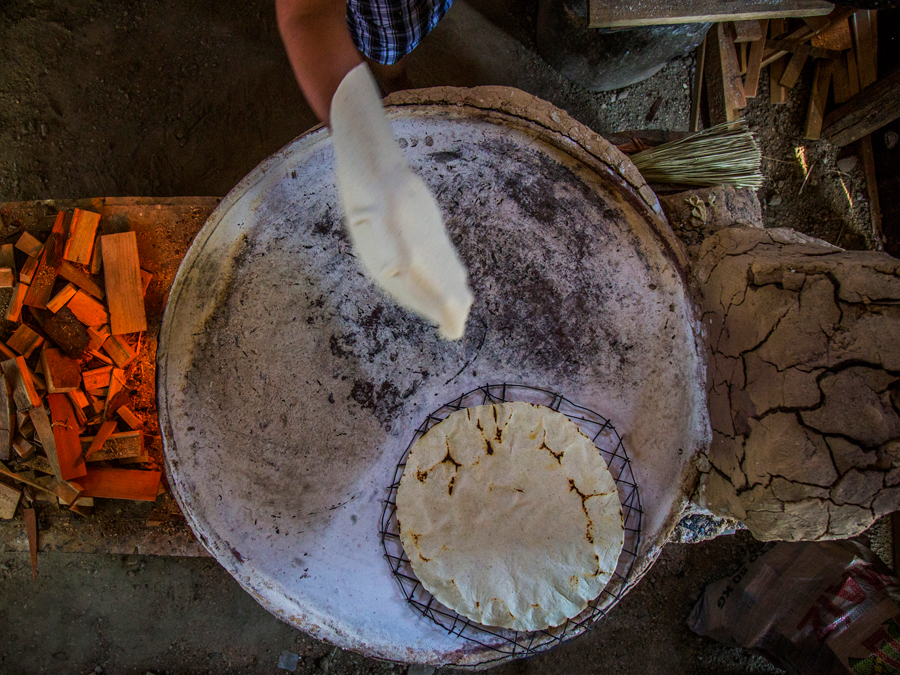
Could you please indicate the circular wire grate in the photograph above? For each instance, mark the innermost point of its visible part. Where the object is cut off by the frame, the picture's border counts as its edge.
(510, 643)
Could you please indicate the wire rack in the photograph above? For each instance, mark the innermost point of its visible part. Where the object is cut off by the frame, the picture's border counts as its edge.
(503, 643)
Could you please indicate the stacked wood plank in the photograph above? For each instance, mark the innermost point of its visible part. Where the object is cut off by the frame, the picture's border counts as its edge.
(840, 49)
(68, 430)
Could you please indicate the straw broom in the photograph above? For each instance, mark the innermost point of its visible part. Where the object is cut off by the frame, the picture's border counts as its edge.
(726, 154)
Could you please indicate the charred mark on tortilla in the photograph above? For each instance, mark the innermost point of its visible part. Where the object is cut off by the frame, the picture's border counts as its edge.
(478, 425)
(490, 448)
(450, 485)
(557, 455)
(589, 535)
(421, 476)
(415, 538)
(448, 457)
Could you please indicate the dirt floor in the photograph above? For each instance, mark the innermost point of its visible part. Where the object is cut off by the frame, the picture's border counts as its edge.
(158, 99)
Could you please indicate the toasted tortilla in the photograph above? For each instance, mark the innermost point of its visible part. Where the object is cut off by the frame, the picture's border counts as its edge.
(510, 516)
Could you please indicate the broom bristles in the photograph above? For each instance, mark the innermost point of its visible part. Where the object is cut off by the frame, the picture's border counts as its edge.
(725, 154)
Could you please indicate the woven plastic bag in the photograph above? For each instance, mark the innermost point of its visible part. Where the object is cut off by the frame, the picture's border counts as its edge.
(827, 608)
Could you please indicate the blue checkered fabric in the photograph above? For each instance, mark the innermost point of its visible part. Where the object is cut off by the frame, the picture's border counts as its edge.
(387, 30)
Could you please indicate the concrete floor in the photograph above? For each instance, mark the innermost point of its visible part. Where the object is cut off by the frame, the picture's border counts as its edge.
(154, 98)
(186, 616)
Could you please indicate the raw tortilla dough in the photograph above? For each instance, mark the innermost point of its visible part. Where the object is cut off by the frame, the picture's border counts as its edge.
(509, 515)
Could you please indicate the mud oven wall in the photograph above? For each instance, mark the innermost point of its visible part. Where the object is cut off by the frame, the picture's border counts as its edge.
(803, 374)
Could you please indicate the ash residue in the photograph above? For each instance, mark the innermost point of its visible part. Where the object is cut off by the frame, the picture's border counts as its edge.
(535, 286)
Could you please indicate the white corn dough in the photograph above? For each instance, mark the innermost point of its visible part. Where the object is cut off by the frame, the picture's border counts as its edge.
(510, 516)
(393, 220)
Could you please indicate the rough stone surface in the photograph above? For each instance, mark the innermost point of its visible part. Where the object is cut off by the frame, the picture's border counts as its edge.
(803, 380)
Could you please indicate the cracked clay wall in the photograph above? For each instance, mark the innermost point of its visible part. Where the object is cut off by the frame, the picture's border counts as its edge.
(803, 347)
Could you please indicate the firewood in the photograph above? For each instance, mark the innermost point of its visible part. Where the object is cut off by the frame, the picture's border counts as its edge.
(67, 333)
(23, 447)
(96, 378)
(6, 351)
(26, 274)
(116, 401)
(19, 378)
(96, 259)
(45, 276)
(58, 301)
(44, 431)
(119, 350)
(864, 33)
(62, 373)
(7, 277)
(102, 357)
(29, 245)
(65, 435)
(37, 344)
(83, 506)
(106, 429)
(697, 88)
(39, 383)
(121, 484)
(8, 257)
(122, 445)
(792, 71)
(70, 273)
(88, 310)
(95, 339)
(7, 419)
(866, 112)
(66, 491)
(128, 416)
(797, 47)
(40, 464)
(747, 31)
(22, 477)
(14, 310)
(116, 385)
(835, 36)
(80, 244)
(122, 273)
(841, 75)
(24, 425)
(140, 459)
(9, 501)
(22, 340)
(78, 399)
(725, 93)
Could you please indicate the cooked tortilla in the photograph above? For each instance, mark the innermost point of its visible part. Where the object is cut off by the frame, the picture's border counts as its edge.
(509, 516)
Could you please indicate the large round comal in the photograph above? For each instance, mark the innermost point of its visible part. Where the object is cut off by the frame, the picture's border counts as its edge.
(510, 516)
(289, 387)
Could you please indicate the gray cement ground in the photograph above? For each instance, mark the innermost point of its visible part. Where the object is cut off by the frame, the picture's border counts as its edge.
(153, 98)
(186, 616)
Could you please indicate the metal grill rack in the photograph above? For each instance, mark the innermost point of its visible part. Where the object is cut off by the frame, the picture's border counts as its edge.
(505, 643)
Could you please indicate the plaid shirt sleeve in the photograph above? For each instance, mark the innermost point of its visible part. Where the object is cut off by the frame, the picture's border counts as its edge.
(387, 30)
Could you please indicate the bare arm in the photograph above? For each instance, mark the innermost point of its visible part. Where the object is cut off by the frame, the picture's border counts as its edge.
(319, 46)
